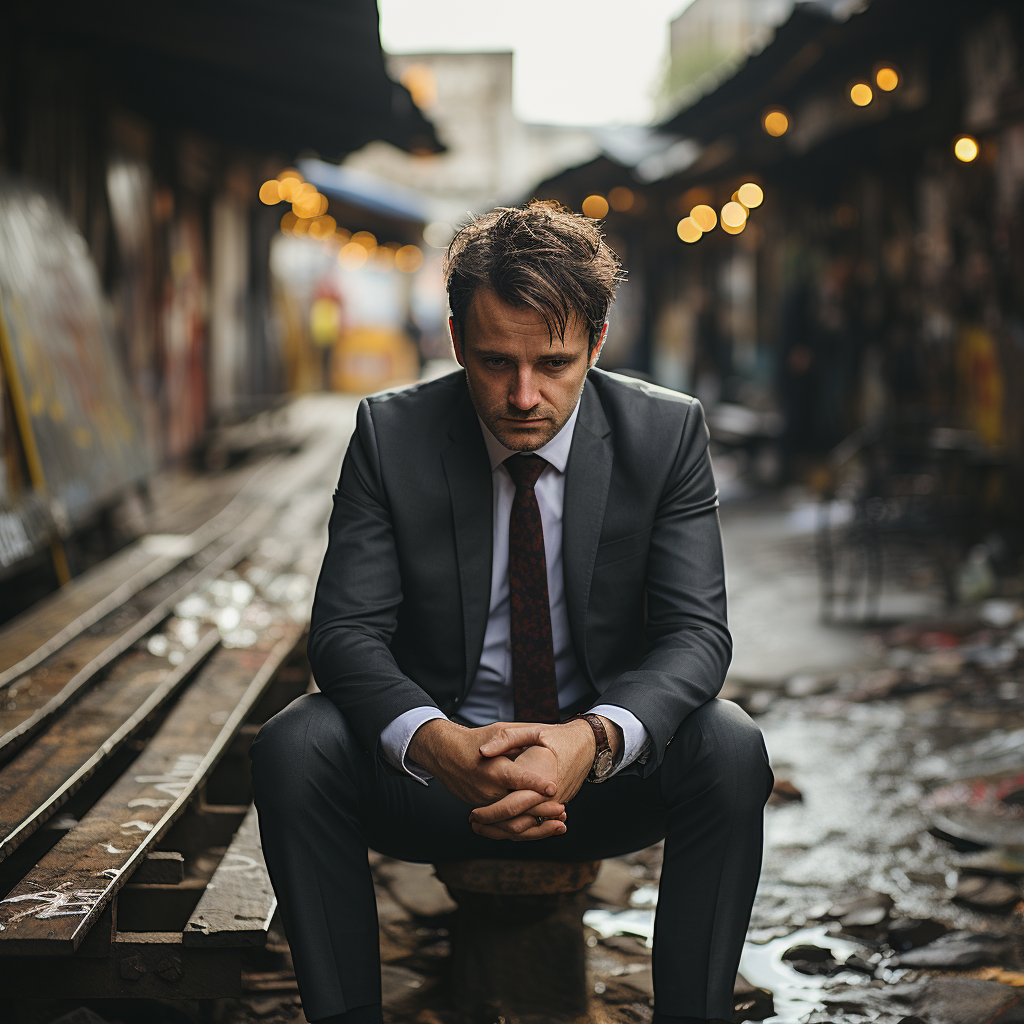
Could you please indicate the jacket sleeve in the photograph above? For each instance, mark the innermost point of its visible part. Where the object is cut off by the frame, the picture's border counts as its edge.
(358, 594)
(688, 642)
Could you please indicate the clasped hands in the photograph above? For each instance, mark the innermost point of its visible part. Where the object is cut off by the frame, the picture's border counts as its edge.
(511, 773)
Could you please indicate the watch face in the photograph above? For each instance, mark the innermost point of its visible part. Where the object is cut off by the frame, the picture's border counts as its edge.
(603, 764)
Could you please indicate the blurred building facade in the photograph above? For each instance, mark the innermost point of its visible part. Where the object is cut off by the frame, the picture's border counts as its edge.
(870, 286)
(711, 38)
(147, 134)
(491, 156)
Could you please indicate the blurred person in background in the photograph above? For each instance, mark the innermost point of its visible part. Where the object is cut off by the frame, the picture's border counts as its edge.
(519, 634)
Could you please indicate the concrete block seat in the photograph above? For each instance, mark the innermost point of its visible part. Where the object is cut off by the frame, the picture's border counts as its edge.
(517, 942)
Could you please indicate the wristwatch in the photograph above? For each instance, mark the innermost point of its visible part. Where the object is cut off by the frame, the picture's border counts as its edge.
(603, 760)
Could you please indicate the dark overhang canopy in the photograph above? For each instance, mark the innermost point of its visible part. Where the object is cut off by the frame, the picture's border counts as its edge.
(269, 77)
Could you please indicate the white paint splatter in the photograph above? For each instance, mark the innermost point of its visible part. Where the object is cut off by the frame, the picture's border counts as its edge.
(148, 801)
(142, 826)
(247, 863)
(56, 903)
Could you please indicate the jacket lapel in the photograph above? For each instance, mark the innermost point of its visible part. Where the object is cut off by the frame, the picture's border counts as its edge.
(587, 476)
(468, 472)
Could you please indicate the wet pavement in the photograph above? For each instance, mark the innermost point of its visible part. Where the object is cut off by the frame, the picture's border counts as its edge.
(874, 902)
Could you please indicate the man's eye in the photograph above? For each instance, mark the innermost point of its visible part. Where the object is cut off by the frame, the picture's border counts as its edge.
(557, 364)
(494, 361)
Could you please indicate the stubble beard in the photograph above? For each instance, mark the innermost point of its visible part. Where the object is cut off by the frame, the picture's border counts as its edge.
(514, 442)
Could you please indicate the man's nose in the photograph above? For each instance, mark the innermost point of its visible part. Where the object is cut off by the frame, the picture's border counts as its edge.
(524, 394)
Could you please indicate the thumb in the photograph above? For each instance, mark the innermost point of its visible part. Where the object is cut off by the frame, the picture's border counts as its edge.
(509, 737)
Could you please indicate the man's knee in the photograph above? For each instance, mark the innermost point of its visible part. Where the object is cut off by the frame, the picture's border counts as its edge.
(732, 747)
(307, 736)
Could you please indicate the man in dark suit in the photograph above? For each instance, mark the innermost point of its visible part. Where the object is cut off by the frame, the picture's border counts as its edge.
(519, 632)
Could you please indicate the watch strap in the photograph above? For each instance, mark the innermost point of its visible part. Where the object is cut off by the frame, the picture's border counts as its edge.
(603, 761)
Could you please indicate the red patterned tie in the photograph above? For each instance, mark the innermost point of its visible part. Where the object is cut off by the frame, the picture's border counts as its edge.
(534, 688)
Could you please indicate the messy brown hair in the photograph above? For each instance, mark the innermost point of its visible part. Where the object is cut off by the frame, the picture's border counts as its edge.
(541, 256)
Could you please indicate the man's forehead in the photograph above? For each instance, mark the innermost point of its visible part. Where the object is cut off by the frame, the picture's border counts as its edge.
(494, 317)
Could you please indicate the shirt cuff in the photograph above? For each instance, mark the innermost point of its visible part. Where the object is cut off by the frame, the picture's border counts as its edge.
(397, 736)
(635, 740)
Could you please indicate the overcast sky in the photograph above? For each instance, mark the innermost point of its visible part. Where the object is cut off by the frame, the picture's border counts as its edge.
(576, 61)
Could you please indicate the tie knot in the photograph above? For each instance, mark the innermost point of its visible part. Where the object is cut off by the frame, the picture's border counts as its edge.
(524, 469)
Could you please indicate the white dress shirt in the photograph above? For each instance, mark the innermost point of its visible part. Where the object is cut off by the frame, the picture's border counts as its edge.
(490, 696)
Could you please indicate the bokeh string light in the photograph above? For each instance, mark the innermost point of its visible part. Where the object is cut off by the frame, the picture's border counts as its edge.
(704, 217)
(775, 122)
(965, 148)
(887, 78)
(750, 195)
(595, 207)
(621, 199)
(861, 94)
(688, 230)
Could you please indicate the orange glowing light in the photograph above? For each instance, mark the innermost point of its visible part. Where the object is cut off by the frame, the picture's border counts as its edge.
(861, 94)
(730, 229)
(595, 207)
(704, 217)
(621, 199)
(750, 195)
(270, 192)
(409, 259)
(734, 215)
(887, 78)
(775, 122)
(366, 239)
(288, 183)
(352, 256)
(965, 148)
(688, 230)
(321, 227)
(383, 258)
(288, 222)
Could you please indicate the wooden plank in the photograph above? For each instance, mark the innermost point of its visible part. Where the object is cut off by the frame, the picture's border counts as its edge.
(44, 775)
(49, 625)
(35, 630)
(51, 910)
(42, 630)
(158, 907)
(34, 699)
(161, 866)
(140, 965)
(239, 901)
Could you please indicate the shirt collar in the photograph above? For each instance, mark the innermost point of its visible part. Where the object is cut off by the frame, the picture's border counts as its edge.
(556, 451)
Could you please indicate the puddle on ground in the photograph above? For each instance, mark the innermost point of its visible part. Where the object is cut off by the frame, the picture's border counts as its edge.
(796, 995)
(622, 922)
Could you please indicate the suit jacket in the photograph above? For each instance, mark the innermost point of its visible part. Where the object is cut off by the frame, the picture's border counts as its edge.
(404, 592)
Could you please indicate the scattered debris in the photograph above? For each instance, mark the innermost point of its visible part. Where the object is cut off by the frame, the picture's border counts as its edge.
(986, 893)
(907, 932)
(958, 949)
(934, 999)
(784, 792)
(614, 883)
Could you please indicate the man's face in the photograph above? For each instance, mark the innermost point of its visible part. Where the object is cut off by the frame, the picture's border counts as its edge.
(523, 384)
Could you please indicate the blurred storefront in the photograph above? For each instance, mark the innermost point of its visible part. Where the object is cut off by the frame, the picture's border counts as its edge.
(871, 278)
(837, 258)
(145, 134)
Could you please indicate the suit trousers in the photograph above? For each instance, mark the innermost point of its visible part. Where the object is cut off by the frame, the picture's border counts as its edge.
(323, 800)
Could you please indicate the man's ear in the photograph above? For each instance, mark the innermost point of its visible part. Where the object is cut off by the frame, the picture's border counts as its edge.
(596, 354)
(455, 342)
